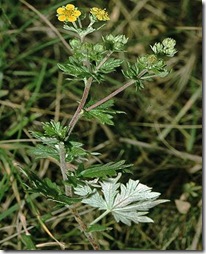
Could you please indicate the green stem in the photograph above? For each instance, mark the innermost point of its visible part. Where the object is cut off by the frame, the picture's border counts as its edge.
(79, 22)
(74, 24)
(100, 217)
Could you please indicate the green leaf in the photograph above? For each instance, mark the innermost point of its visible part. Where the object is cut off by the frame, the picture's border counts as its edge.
(75, 69)
(98, 228)
(110, 65)
(55, 129)
(105, 170)
(43, 151)
(75, 152)
(4, 186)
(73, 180)
(53, 132)
(9, 211)
(46, 140)
(132, 71)
(103, 113)
(115, 43)
(48, 189)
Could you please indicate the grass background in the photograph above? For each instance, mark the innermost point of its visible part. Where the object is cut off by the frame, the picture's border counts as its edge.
(161, 133)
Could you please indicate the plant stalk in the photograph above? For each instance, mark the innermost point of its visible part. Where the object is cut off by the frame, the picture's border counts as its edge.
(100, 217)
(87, 87)
(119, 90)
(83, 227)
(63, 167)
(77, 114)
(131, 82)
(68, 191)
(103, 61)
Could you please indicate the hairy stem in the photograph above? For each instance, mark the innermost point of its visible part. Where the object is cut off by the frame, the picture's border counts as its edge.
(87, 87)
(83, 227)
(63, 167)
(111, 95)
(103, 61)
(119, 90)
(77, 114)
(68, 192)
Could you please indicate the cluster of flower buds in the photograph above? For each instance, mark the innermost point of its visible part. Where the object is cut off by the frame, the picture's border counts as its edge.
(115, 43)
(166, 47)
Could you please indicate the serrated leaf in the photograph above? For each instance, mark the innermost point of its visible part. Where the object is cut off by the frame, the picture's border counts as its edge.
(73, 180)
(83, 190)
(127, 203)
(103, 113)
(74, 69)
(43, 151)
(48, 189)
(46, 140)
(110, 65)
(108, 169)
(55, 129)
(75, 152)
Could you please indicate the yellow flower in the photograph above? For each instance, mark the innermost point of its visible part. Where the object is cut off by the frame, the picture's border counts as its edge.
(100, 14)
(68, 13)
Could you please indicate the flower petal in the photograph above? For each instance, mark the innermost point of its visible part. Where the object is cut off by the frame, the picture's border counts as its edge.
(94, 10)
(70, 7)
(62, 18)
(76, 13)
(60, 10)
(71, 18)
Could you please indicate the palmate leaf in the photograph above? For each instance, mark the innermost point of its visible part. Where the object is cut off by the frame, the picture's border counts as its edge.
(127, 203)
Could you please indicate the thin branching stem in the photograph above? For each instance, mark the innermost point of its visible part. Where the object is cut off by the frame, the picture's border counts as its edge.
(119, 90)
(77, 114)
(103, 61)
(87, 87)
(131, 82)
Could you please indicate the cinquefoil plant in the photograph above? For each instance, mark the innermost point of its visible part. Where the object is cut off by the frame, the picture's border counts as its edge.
(98, 185)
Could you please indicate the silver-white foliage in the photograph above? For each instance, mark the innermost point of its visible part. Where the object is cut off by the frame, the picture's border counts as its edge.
(127, 203)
